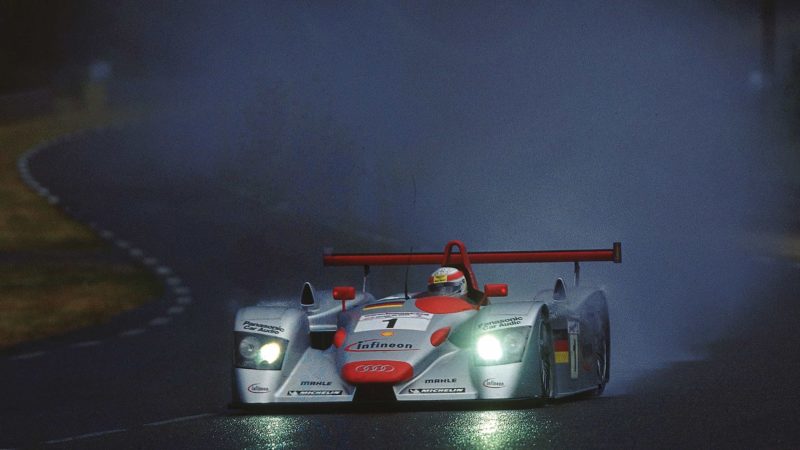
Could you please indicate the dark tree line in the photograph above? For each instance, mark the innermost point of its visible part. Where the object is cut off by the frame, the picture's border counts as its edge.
(37, 41)
(49, 43)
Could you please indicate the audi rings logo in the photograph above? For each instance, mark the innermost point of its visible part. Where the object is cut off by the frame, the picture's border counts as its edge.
(375, 368)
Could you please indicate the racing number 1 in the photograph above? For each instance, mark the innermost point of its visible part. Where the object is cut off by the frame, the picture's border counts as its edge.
(390, 323)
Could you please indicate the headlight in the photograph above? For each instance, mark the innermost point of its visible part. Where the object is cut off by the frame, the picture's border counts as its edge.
(501, 346)
(248, 347)
(270, 352)
(489, 348)
(257, 351)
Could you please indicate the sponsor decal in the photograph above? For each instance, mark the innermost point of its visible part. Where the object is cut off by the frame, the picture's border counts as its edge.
(384, 305)
(500, 323)
(375, 368)
(254, 326)
(399, 320)
(327, 392)
(257, 389)
(573, 327)
(561, 348)
(437, 391)
(387, 333)
(440, 380)
(378, 345)
(444, 274)
(315, 383)
(492, 383)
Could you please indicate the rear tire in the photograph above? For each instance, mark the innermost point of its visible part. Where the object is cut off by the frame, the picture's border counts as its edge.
(545, 360)
(603, 357)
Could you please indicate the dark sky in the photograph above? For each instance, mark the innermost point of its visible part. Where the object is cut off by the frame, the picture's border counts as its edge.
(41, 39)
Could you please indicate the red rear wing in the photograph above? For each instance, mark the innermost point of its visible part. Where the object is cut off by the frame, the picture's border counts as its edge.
(400, 259)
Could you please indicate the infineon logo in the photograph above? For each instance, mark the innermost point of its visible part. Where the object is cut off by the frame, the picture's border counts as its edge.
(492, 383)
(378, 345)
(257, 389)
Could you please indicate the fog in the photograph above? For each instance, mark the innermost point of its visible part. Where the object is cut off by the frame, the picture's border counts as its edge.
(515, 126)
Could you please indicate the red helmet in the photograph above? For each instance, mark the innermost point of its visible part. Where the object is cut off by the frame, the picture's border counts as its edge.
(447, 281)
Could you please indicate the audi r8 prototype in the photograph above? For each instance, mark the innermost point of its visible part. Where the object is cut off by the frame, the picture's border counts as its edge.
(450, 342)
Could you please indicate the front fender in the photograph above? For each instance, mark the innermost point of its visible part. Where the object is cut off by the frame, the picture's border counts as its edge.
(290, 324)
(517, 379)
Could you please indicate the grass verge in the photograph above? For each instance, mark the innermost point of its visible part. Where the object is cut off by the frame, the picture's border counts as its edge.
(43, 299)
(55, 274)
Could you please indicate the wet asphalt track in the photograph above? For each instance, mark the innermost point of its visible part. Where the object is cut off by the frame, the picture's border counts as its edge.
(138, 382)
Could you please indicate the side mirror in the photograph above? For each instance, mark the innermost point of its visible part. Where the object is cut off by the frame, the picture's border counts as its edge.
(344, 293)
(495, 290)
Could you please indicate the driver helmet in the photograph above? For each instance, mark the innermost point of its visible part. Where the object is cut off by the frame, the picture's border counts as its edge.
(447, 281)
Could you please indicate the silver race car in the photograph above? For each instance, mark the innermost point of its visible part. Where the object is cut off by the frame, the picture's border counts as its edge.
(451, 342)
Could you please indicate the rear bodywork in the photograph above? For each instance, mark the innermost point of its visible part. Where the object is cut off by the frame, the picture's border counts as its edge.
(419, 347)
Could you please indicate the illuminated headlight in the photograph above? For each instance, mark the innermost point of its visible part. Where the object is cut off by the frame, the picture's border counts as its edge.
(501, 346)
(256, 351)
(489, 348)
(270, 352)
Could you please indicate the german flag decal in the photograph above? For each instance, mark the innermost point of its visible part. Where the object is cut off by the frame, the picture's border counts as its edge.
(384, 305)
(561, 347)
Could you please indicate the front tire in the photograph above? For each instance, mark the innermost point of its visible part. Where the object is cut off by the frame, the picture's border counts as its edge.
(545, 360)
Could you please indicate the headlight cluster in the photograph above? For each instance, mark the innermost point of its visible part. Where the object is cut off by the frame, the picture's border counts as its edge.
(502, 346)
(256, 351)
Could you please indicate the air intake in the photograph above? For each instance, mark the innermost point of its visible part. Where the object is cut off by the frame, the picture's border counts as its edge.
(374, 393)
(307, 296)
